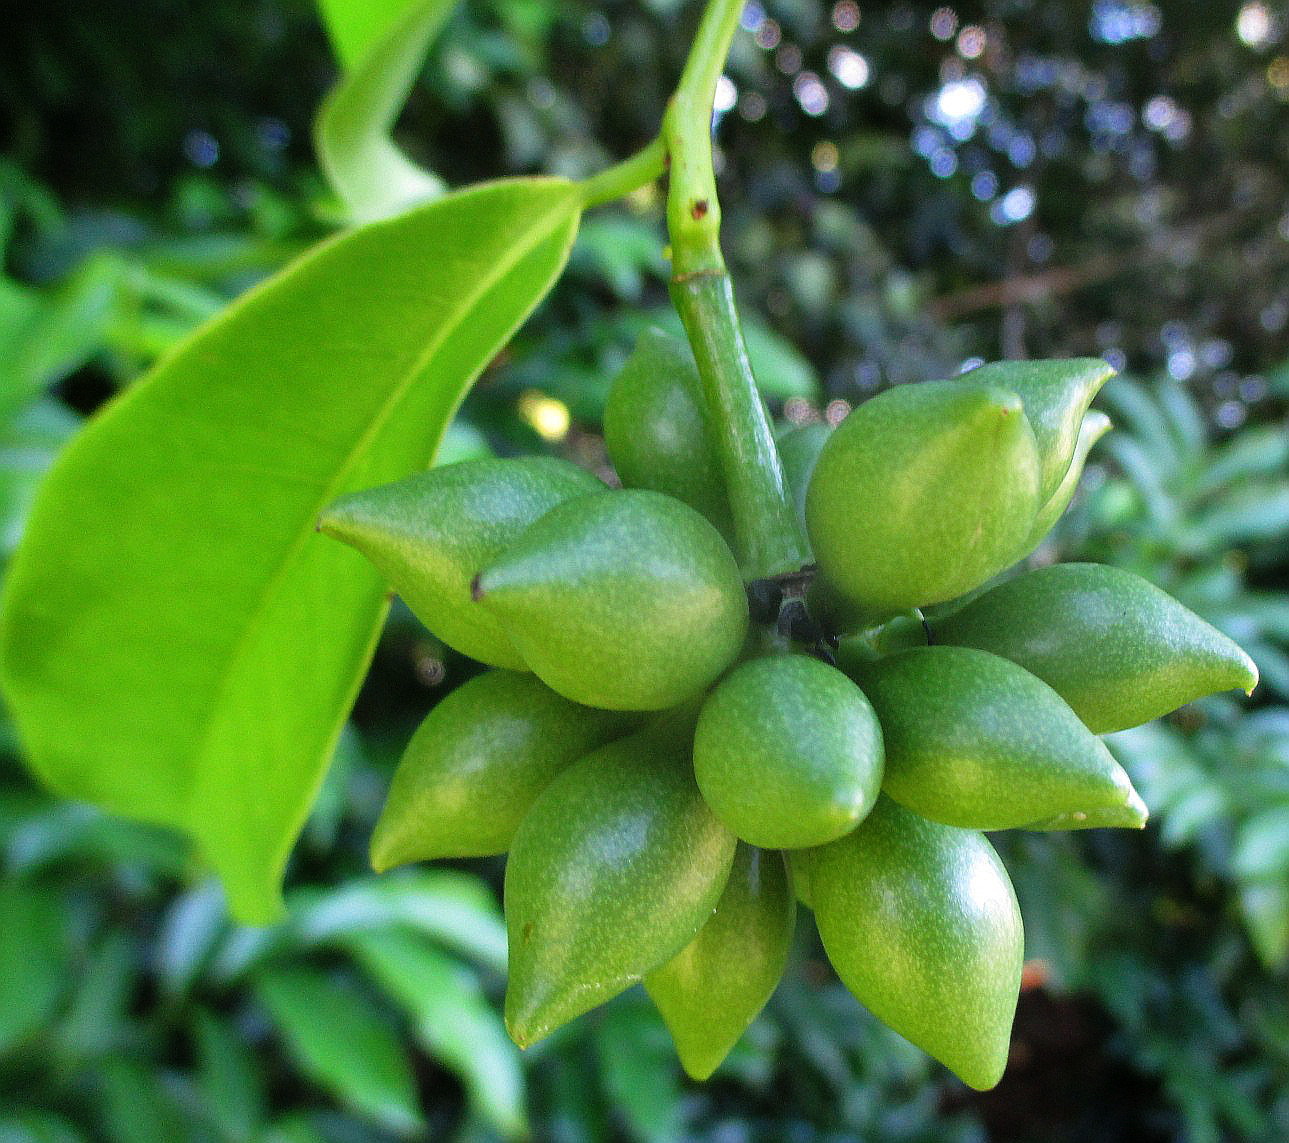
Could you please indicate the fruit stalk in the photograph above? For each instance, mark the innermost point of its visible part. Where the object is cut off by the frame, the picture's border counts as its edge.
(770, 538)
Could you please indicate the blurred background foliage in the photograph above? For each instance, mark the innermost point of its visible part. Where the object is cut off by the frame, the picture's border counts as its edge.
(908, 188)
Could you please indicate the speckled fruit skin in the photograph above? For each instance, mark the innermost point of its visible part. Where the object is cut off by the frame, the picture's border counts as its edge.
(477, 763)
(1056, 395)
(656, 431)
(429, 534)
(625, 600)
(613, 871)
(921, 924)
(973, 740)
(1117, 649)
(921, 494)
(711, 990)
(788, 752)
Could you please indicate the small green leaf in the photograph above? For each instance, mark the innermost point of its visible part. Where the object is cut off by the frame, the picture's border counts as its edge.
(228, 1077)
(177, 644)
(381, 46)
(453, 1018)
(711, 990)
(340, 1040)
(1110, 643)
(638, 1069)
(34, 961)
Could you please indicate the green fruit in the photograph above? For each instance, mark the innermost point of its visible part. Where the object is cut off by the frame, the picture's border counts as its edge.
(1095, 426)
(1117, 649)
(1129, 816)
(711, 990)
(973, 740)
(477, 763)
(788, 752)
(1056, 395)
(799, 449)
(921, 494)
(429, 534)
(625, 600)
(656, 431)
(921, 924)
(614, 870)
(801, 865)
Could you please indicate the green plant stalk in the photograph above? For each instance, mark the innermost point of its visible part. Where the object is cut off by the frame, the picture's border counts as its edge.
(770, 537)
(631, 174)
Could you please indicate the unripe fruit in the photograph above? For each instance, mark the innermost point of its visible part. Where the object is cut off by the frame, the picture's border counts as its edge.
(1056, 395)
(921, 494)
(429, 534)
(1117, 649)
(973, 740)
(614, 870)
(711, 990)
(801, 865)
(477, 763)
(799, 449)
(921, 924)
(656, 431)
(788, 752)
(1095, 426)
(625, 600)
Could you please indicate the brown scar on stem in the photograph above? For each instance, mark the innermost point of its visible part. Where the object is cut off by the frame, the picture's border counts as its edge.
(699, 209)
(476, 589)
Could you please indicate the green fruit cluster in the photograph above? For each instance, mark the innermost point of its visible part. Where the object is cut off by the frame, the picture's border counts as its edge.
(670, 769)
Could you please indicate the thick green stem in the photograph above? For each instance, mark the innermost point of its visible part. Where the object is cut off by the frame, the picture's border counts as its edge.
(769, 534)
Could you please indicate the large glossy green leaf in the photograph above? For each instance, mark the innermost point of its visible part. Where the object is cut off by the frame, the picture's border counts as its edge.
(178, 645)
(341, 1040)
(381, 45)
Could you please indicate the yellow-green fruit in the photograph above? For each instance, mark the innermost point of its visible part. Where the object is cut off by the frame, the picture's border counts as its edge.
(1056, 395)
(656, 431)
(1095, 426)
(626, 600)
(477, 763)
(711, 990)
(921, 924)
(921, 494)
(613, 871)
(973, 740)
(788, 752)
(1117, 649)
(429, 534)
(801, 865)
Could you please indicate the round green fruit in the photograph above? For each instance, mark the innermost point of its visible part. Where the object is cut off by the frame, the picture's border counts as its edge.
(656, 431)
(625, 600)
(477, 763)
(429, 534)
(921, 923)
(788, 752)
(921, 494)
(614, 870)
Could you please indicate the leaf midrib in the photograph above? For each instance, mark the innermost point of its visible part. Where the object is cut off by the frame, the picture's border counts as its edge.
(239, 647)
